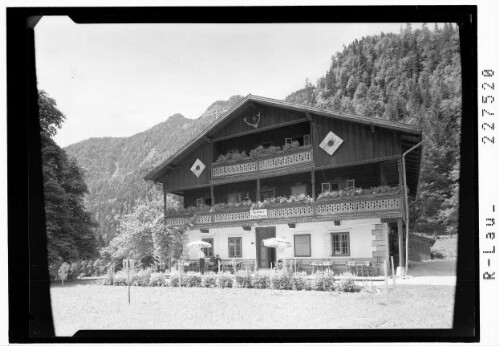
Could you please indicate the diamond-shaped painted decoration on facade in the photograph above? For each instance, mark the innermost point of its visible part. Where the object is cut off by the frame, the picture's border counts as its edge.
(331, 143)
(198, 168)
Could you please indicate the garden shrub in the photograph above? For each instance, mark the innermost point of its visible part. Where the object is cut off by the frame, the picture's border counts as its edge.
(324, 281)
(209, 280)
(262, 279)
(243, 279)
(63, 271)
(192, 279)
(119, 279)
(225, 280)
(435, 254)
(347, 283)
(157, 279)
(74, 271)
(175, 278)
(281, 280)
(139, 278)
(300, 282)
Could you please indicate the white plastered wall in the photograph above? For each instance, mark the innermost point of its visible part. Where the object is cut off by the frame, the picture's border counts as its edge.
(360, 232)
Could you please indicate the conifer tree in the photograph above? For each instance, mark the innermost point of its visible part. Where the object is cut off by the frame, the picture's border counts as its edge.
(69, 225)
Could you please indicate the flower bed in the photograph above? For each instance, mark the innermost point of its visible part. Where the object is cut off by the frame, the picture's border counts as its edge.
(261, 279)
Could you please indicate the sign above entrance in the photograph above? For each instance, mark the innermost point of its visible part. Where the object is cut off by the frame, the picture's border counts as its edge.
(258, 213)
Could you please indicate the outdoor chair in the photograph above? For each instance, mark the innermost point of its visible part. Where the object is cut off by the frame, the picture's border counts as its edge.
(193, 267)
(314, 266)
(359, 269)
(368, 268)
(351, 266)
(327, 265)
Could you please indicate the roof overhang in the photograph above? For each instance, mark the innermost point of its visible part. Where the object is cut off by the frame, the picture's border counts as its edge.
(159, 171)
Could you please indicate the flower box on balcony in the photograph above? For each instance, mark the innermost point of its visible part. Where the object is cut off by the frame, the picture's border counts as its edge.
(291, 157)
(351, 194)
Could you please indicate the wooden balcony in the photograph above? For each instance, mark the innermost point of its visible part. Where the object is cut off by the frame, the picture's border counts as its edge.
(301, 157)
(344, 208)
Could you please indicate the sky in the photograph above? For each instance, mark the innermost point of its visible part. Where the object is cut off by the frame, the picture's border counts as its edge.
(115, 80)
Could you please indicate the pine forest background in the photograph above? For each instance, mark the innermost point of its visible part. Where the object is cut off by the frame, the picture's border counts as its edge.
(413, 77)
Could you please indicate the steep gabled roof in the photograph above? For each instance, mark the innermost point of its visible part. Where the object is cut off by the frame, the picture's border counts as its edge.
(157, 172)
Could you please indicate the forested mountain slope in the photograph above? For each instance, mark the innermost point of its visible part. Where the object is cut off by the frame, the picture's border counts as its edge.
(115, 167)
(412, 77)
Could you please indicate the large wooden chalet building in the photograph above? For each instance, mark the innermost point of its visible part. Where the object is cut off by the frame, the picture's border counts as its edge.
(330, 183)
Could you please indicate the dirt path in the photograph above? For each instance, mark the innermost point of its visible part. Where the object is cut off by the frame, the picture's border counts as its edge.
(433, 273)
(445, 267)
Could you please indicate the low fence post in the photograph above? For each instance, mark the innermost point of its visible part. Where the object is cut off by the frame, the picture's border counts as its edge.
(393, 271)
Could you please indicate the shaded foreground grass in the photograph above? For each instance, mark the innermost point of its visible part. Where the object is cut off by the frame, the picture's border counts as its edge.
(105, 307)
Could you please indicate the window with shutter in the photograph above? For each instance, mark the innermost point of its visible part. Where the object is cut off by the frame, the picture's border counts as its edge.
(303, 245)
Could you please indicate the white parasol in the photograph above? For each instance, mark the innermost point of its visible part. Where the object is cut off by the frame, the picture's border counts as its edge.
(198, 244)
(279, 243)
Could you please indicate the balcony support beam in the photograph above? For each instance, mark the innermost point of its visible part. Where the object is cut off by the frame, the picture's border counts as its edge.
(401, 242)
(401, 183)
(258, 197)
(212, 193)
(313, 182)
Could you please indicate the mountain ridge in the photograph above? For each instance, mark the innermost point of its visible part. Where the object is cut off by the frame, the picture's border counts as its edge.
(115, 166)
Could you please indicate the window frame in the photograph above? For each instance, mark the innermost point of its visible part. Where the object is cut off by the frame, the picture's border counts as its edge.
(309, 245)
(267, 190)
(348, 244)
(300, 185)
(211, 249)
(327, 189)
(235, 255)
(239, 196)
(307, 139)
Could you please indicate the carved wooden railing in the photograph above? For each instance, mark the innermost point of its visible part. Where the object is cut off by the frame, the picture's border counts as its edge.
(344, 206)
(359, 204)
(293, 157)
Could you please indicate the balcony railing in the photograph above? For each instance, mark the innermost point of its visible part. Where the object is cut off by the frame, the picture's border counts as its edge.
(344, 207)
(293, 157)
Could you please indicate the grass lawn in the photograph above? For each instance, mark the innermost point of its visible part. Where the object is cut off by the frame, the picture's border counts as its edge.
(105, 307)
